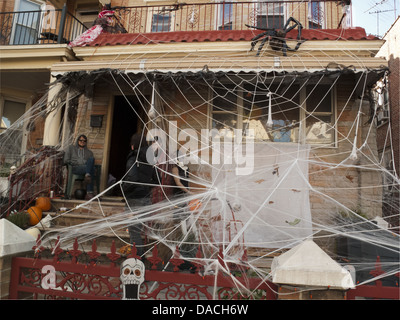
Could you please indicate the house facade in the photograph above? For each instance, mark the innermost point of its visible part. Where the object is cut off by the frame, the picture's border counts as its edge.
(189, 66)
(270, 105)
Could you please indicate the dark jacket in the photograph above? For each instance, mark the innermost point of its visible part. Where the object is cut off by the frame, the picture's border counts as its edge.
(76, 156)
(138, 170)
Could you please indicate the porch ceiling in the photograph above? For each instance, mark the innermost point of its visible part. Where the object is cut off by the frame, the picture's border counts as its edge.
(28, 81)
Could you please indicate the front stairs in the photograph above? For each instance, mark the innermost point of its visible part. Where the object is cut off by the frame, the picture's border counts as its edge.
(67, 213)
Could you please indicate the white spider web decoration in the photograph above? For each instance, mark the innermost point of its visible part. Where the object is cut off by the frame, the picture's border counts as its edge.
(285, 197)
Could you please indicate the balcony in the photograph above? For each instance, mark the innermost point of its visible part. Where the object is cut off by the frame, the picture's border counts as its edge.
(325, 14)
(59, 26)
(39, 27)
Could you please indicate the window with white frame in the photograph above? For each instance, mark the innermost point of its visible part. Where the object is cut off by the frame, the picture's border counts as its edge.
(247, 107)
(319, 114)
(161, 22)
(316, 15)
(270, 14)
(27, 22)
(225, 16)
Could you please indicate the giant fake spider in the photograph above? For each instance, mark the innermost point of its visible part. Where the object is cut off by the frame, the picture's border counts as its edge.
(277, 37)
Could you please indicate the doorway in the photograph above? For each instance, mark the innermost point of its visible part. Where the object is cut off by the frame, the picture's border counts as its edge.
(125, 122)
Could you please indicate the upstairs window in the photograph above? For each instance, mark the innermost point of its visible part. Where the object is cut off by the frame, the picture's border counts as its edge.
(26, 27)
(161, 22)
(270, 14)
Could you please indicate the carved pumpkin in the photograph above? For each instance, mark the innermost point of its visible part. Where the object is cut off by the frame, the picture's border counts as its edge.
(35, 215)
(43, 203)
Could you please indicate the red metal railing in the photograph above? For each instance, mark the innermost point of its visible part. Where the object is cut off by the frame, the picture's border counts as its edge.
(376, 290)
(324, 14)
(80, 275)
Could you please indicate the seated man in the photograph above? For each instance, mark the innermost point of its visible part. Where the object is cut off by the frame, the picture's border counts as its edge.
(82, 161)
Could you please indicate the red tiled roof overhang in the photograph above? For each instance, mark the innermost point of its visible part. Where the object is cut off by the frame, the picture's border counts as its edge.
(107, 39)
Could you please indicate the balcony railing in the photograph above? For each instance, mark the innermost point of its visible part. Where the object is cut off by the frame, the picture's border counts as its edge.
(59, 26)
(324, 14)
(39, 27)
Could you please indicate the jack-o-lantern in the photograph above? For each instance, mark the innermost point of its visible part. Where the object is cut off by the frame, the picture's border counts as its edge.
(43, 203)
(35, 215)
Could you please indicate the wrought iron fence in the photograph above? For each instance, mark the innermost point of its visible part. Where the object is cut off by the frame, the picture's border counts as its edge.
(90, 275)
(59, 26)
(39, 27)
(222, 15)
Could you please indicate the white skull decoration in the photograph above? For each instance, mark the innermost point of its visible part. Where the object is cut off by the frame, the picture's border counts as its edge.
(132, 276)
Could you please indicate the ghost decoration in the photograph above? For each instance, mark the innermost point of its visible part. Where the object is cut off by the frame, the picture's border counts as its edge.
(132, 276)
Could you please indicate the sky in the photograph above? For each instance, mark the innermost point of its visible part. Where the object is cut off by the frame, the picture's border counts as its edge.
(365, 15)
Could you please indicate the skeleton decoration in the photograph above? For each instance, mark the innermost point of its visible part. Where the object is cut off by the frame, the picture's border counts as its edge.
(132, 276)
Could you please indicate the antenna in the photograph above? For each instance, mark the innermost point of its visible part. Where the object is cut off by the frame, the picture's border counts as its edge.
(377, 17)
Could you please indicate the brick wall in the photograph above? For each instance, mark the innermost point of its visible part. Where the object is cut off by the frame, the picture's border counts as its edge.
(394, 91)
(340, 183)
(390, 50)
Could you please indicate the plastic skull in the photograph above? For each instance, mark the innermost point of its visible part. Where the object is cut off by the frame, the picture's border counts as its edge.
(132, 276)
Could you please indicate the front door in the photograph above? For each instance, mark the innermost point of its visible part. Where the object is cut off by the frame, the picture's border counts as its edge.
(125, 123)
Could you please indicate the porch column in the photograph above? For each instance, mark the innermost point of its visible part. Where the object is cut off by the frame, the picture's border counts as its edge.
(51, 135)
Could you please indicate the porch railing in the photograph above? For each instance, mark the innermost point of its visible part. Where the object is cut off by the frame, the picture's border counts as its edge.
(324, 14)
(90, 275)
(39, 27)
(37, 176)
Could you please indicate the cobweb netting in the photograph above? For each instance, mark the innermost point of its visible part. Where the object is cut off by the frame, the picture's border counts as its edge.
(274, 158)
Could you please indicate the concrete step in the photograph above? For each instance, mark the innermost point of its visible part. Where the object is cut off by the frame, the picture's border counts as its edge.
(101, 207)
(104, 239)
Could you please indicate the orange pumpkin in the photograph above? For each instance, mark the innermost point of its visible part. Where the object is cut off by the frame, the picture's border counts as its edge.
(35, 215)
(43, 203)
(194, 205)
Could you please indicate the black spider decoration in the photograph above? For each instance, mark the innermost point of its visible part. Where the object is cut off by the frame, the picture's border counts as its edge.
(277, 37)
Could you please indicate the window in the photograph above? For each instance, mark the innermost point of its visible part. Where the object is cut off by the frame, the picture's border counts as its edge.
(27, 23)
(225, 16)
(270, 15)
(319, 114)
(315, 15)
(161, 22)
(284, 112)
(247, 107)
(225, 109)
